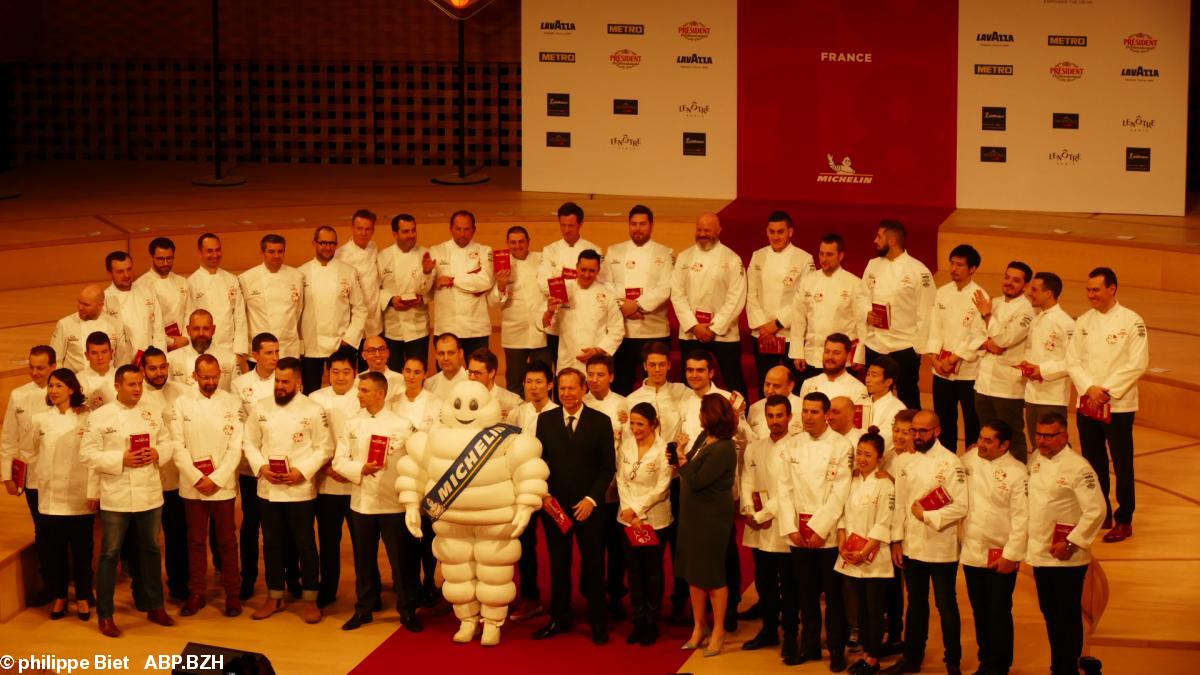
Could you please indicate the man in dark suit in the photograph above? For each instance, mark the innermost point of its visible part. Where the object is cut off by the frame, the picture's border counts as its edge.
(577, 445)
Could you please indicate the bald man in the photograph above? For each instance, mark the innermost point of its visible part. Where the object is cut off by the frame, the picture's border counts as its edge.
(779, 380)
(708, 291)
(841, 419)
(378, 355)
(72, 330)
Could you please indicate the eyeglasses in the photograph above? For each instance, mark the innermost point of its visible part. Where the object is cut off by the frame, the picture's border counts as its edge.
(374, 350)
(326, 243)
(1039, 434)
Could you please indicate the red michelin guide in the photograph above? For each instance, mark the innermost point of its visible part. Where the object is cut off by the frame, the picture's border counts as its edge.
(703, 316)
(1061, 530)
(994, 554)
(1101, 412)
(641, 536)
(204, 465)
(501, 261)
(756, 497)
(570, 273)
(857, 542)
(279, 465)
(935, 499)
(771, 344)
(557, 514)
(20, 471)
(802, 523)
(883, 312)
(558, 289)
(139, 442)
(377, 454)
(633, 293)
(172, 329)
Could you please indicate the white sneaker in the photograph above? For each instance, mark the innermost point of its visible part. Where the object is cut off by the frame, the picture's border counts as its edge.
(466, 630)
(491, 635)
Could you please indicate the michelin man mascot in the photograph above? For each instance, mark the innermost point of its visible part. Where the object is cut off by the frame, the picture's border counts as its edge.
(480, 481)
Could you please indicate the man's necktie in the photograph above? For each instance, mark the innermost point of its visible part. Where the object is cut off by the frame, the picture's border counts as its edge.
(570, 425)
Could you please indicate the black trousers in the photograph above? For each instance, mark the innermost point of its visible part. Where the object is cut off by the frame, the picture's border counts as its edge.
(614, 553)
(332, 511)
(404, 557)
(917, 576)
(1060, 592)
(644, 565)
(908, 387)
(400, 350)
(279, 521)
(948, 396)
(765, 362)
(428, 560)
(814, 575)
(1011, 411)
(589, 537)
(527, 566)
(516, 363)
(248, 535)
(894, 606)
(40, 546)
(628, 362)
(868, 597)
(729, 361)
(552, 348)
(472, 343)
(174, 550)
(69, 546)
(771, 571)
(1099, 440)
(990, 593)
(733, 576)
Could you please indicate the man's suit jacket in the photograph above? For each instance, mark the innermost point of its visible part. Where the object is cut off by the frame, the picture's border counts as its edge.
(581, 464)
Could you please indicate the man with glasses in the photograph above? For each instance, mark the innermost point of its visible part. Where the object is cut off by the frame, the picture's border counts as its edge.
(168, 288)
(334, 313)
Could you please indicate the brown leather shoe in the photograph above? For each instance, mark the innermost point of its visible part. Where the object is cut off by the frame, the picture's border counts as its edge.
(311, 613)
(1119, 532)
(193, 605)
(160, 617)
(269, 607)
(108, 628)
(233, 606)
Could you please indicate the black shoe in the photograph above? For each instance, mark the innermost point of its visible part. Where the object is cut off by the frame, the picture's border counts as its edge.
(901, 666)
(953, 669)
(891, 648)
(322, 603)
(56, 615)
(636, 635)
(790, 652)
(650, 634)
(357, 621)
(752, 613)
(616, 611)
(429, 598)
(410, 621)
(731, 623)
(178, 598)
(864, 668)
(599, 635)
(763, 639)
(247, 591)
(550, 630)
(837, 662)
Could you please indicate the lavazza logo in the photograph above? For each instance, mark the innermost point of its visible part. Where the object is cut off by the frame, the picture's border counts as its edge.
(1140, 43)
(1138, 123)
(625, 59)
(843, 172)
(1065, 157)
(1139, 74)
(994, 39)
(694, 30)
(694, 109)
(558, 27)
(1065, 71)
(693, 60)
(625, 142)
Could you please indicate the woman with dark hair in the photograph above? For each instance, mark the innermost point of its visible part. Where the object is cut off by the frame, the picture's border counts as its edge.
(63, 494)
(706, 476)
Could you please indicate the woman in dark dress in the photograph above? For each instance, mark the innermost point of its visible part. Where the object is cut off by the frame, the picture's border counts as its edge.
(706, 475)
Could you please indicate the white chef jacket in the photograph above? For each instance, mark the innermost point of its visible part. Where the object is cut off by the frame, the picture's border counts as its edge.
(98, 389)
(762, 463)
(814, 479)
(70, 337)
(822, 305)
(998, 513)
(462, 308)
(689, 412)
(106, 439)
(526, 416)
(870, 507)
(844, 384)
(756, 416)
(18, 438)
(137, 309)
(646, 268)
(61, 477)
(936, 539)
(441, 386)
(906, 285)
(643, 483)
(339, 408)
(558, 256)
(421, 412)
(374, 494)
(666, 400)
(395, 382)
(521, 305)
(209, 428)
(883, 416)
(710, 281)
(771, 284)
(173, 296)
(1049, 334)
(507, 401)
(957, 326)
(591, 319)
(298, 431)
(1063, 489)
(162, 401)
(249, 388)
(182, 365)
(1109, 350)
(274, 302)
(402, 274)
(1008, 327)
(220, 293)
(365, 262)
(613, 405)
(333, 308)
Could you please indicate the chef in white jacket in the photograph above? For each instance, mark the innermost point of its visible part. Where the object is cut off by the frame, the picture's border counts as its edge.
(287, 442)
(219, 292)
(835, 380)
(96, 377)
(658, 391)
(17, 438)
(999, 386)
(207, 426)
(464, 277)
(406, 275)
(994, 539)
(708, 292)
(169, 289)
(1106, 357)
(901, 287)
(201, 334)
(880, 381)
(590, 322)
(639, 270)
(777, 382)
(71, 331)
(274, 296)
(448, 351)
(334, 312)
(521, 303)
(482, 365)
(772, 280)
(1044, 368)
(361, 253)
(822, 305)
(956, 333)
(559, 260)
(136, 308)
(412, 401)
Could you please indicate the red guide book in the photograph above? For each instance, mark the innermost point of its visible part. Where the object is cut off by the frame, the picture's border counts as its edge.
(858, 416)
(883, 311)
(137, 358)
(936, 499)
(633, 293)
(944, 354)
(771, 344)
(756, 497)
(857, 542)
(20, 470)
(802, 523)
(556, 513)
(204, 465)
(994, 554)
(501, 261)
(1098, 411)
(1061, 530)
(279, 465)
(378, 452)
(703, 316)
(558, 289)
(172, 329)
(570, 273)
(139, 442)
(641, 536)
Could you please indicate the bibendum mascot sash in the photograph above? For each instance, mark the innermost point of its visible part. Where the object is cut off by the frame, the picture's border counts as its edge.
(464, 469)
